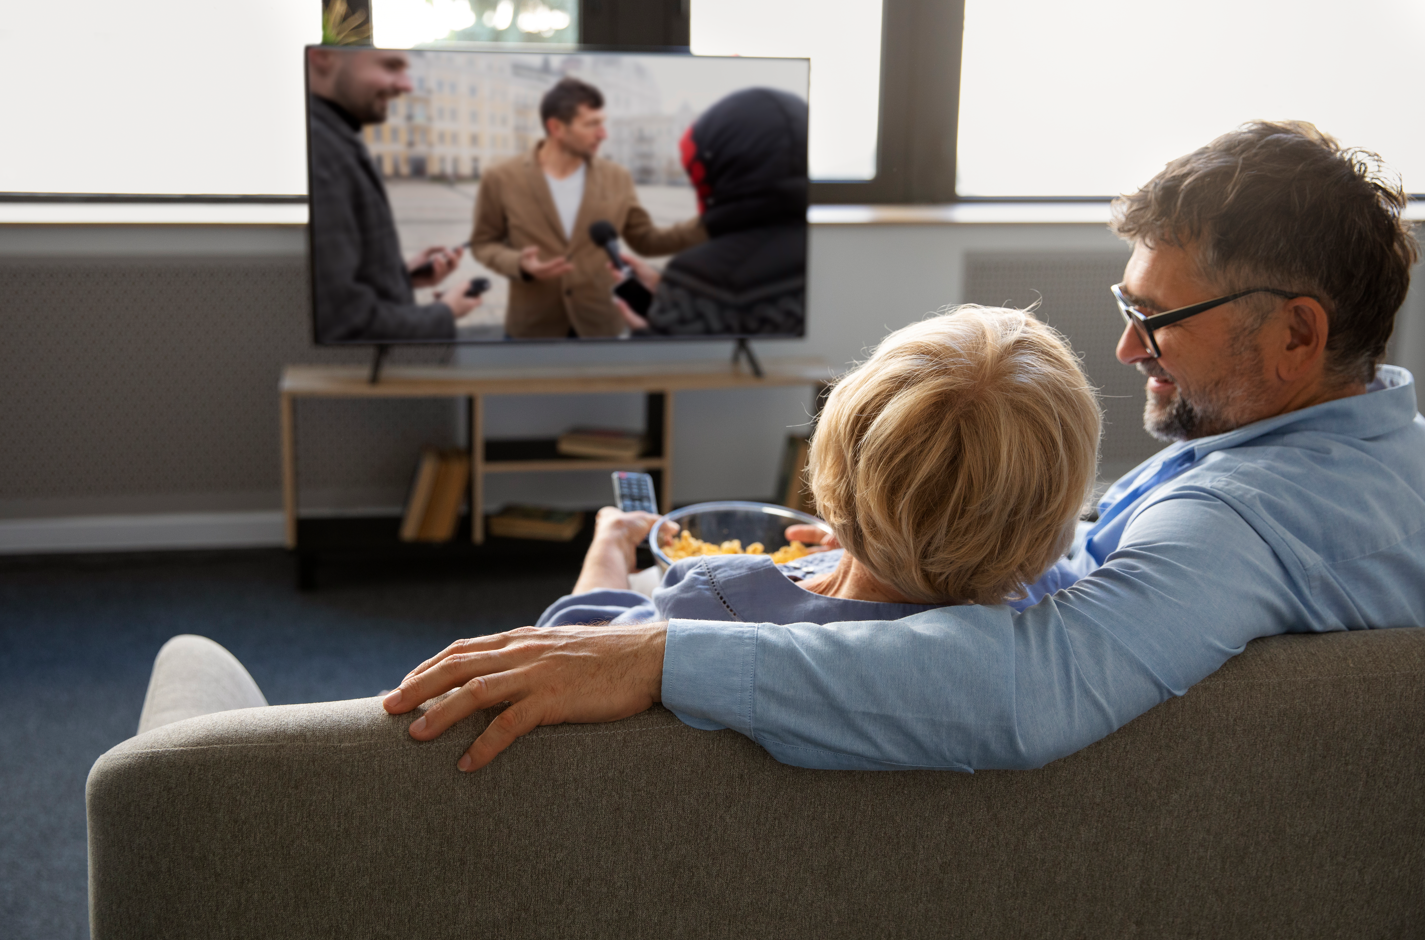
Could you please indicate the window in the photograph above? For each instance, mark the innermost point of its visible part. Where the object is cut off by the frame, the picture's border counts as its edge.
(149, 80)
(1097, 95)
(844, 45)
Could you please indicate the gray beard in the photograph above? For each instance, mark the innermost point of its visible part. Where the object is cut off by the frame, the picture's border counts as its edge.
(1214, 410)
(1180, 421)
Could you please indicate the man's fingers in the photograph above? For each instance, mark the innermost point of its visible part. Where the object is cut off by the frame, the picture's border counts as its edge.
(514, 722)
(477, 693)
(418, 687)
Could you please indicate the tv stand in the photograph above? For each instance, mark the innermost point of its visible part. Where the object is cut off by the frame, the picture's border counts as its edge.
(744, 348)
(657, 381)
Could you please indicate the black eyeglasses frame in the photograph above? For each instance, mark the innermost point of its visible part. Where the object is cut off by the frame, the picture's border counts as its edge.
(1144, 325)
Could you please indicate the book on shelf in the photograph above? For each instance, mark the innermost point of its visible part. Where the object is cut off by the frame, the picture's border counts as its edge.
(792, 489)
(438, 491)
(535, 522)
(443, 513)
(418, 498)
(601, 443)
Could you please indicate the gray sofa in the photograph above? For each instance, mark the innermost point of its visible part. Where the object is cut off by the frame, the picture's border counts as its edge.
(1282, 797)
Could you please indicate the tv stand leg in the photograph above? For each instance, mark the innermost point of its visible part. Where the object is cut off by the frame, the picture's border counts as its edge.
(381, 351)
(743, 348)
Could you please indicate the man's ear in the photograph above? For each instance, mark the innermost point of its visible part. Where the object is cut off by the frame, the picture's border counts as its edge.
(1306, 329)
(321, 61)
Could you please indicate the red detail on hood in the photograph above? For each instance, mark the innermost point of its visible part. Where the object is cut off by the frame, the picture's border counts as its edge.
(697, 173)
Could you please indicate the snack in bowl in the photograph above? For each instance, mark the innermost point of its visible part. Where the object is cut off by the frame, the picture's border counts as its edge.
(687, 546)
(736, 527)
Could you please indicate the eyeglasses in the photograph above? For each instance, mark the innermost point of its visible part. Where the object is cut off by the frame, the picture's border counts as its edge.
(1144, 324)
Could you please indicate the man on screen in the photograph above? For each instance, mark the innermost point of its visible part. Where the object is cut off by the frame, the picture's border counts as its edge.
(532, 218)
(1266, 273)
(363, 287)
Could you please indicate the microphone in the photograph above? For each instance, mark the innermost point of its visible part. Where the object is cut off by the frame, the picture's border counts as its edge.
(606, 237)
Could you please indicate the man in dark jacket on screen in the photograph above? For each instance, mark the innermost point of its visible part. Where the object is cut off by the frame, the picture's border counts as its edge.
(363, 287)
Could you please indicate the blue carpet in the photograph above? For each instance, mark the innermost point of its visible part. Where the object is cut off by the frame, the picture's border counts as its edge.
(77, 640)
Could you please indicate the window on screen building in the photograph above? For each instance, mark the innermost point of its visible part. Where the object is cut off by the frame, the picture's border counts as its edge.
(1090, 99)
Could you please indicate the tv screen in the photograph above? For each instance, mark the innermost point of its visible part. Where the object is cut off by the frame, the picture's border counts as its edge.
(464, 195)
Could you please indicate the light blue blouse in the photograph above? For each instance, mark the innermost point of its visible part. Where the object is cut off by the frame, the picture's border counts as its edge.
(1311, 521)
(745, 588)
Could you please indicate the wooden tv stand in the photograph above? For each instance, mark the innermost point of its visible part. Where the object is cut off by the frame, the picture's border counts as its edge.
(657, 380)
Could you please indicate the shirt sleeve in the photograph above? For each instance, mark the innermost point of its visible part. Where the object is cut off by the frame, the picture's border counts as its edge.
(969, 687)
(606, 605)
(489, 241)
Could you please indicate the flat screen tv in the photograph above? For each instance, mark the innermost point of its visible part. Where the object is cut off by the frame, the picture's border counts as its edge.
(482, 196)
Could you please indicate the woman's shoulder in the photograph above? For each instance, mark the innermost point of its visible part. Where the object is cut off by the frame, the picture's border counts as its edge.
(752, 589)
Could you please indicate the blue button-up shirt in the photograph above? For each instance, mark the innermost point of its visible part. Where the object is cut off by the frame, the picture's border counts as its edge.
(1307, 522)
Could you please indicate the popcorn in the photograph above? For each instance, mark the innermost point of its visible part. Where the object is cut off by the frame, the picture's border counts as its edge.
(686, 546)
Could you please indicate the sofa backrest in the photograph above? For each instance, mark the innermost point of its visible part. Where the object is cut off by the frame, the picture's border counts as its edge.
(1280, 797)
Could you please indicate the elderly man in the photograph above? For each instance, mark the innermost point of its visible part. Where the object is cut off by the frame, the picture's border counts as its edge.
(1266, 272)
(363, 287)
(532, 218)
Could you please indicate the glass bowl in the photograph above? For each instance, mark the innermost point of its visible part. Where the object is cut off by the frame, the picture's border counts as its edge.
(733, 519)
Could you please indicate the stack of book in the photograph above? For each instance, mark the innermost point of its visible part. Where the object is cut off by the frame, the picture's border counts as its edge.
(437, 494)
(601, 443)
(536, 522)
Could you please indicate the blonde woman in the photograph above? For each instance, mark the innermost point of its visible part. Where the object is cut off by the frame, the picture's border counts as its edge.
(951, 466)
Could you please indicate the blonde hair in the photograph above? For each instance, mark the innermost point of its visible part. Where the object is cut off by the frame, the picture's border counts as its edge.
(954, 461)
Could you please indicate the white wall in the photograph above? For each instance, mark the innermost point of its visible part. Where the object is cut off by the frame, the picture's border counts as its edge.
(866, 279)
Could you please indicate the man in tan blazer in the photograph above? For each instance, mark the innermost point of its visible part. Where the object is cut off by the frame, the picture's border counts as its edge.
(532, 218)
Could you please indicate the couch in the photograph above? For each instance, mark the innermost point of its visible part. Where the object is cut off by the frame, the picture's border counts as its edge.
(1281, 797)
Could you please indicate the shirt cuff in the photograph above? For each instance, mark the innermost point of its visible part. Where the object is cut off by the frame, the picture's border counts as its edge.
(709, 674)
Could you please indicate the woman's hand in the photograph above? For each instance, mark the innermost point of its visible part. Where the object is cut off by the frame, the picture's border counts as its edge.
(812, 537)
(614, 551)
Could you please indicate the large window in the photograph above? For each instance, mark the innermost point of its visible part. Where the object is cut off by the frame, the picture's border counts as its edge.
(1091, 98)
(843, 41)
(156, 96)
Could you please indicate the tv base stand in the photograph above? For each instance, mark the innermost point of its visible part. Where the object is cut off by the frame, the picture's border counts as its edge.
(744, 348)
(380, 357)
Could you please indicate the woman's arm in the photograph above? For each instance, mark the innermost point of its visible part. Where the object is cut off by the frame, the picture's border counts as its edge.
(612, 555)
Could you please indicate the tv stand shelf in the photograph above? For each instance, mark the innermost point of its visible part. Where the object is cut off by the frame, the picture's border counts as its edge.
(658, 381)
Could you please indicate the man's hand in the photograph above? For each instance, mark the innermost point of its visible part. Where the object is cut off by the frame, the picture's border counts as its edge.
(812, 537)
(441, 262)
(530, 264)
(549, 676)
(614, 550)
(456, 300)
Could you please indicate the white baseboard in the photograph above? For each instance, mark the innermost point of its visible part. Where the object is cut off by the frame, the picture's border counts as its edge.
(141, 533)
(153, 531)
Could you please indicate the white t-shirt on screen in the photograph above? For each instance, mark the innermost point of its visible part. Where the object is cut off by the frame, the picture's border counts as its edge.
(568, 193)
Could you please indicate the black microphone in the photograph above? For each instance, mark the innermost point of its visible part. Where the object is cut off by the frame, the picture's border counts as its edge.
(606, 237)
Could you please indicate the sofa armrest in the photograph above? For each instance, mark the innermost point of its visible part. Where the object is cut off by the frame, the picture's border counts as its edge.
(1280, 797)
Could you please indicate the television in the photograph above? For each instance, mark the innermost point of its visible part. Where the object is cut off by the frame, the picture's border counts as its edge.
(476, 195)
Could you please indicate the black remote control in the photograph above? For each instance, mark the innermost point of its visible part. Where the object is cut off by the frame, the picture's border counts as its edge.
(633, 492)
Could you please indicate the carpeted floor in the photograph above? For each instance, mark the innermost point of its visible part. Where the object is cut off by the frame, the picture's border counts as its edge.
(78, 636)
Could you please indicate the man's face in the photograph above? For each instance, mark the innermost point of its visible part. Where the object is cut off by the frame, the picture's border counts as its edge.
(365, 81)
(581, 136)
(1212, 375)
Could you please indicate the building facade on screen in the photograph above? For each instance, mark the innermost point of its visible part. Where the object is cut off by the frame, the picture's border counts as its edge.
(469, 112)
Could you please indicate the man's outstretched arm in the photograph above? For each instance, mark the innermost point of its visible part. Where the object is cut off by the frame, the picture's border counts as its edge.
(550, 676)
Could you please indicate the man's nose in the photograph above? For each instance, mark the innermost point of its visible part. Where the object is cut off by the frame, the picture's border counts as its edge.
(1131, 349)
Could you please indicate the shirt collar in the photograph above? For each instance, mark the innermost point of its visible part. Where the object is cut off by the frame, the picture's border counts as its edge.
(346, 116)
(1387, 405)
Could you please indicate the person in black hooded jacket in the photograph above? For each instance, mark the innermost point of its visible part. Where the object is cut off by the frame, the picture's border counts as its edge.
(747, 158)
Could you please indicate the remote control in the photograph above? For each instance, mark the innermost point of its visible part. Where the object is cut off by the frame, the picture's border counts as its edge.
(633, 492)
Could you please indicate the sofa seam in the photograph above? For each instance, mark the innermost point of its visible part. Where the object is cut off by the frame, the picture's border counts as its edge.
(342, 744)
